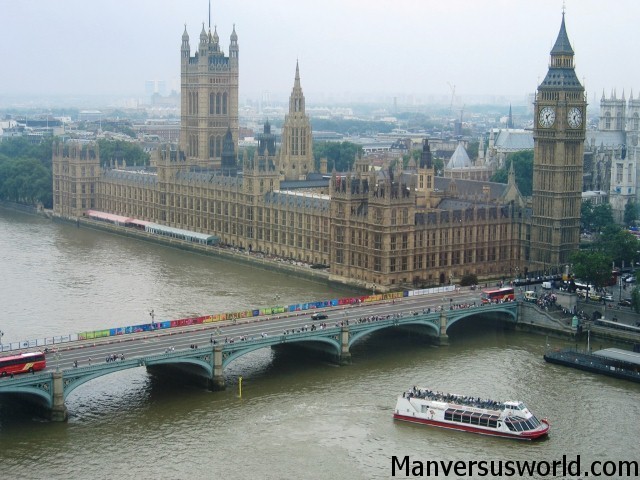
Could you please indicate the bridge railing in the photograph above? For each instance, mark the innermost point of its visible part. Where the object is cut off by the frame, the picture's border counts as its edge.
(54, 341)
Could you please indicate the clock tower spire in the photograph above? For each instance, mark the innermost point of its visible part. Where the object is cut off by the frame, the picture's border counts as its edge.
(558, 135)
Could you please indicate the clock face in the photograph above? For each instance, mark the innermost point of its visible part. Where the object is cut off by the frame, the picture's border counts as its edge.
(547, 117)
(574, 117)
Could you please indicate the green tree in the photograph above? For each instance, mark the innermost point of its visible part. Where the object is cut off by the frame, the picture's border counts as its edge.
(350, 127)
(523, 167)
(339, 155)
(586, 214)
(630, 213)
(620, 245)
(596, 218)
(25, 171)
(25, 180)
(592, 266)
(602, 217)
(120, 150)
(468, 279)
(21, 147)
(472, 149)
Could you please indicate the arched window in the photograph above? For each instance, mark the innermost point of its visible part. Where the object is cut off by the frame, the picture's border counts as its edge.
(224, 103)
(607, 121)
(212, 147)
(212, 103)
(218, 102)
(218, 146)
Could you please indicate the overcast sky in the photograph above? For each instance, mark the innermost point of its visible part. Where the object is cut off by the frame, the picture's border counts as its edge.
(345, 47)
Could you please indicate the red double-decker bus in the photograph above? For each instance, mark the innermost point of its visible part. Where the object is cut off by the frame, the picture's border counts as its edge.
(504, 294)
(22, 363)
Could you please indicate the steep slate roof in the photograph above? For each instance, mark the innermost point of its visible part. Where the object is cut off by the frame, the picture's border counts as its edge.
(513, 140)
(561, 77)
(310, 183)
(298, 200)
(471, 187)
(459, 159)
(137, 176)
(608, 139)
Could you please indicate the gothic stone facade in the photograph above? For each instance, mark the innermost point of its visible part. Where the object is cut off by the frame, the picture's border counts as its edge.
(386, 228)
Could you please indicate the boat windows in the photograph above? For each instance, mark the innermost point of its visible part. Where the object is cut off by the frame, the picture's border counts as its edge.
(448, 415)
(466, 418)
(509, 424)
(457, 417)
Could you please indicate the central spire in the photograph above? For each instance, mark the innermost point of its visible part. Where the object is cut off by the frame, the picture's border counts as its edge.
(562, 45)
(296, 101)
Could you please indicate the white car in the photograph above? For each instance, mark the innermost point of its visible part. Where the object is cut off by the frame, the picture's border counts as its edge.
(608, 297)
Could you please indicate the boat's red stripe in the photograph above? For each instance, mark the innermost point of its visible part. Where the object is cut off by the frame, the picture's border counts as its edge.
(468, 428)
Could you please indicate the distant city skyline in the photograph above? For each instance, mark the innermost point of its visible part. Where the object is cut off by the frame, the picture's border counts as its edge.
(348, 50)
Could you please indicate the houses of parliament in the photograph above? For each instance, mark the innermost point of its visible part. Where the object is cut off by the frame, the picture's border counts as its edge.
(382, 229)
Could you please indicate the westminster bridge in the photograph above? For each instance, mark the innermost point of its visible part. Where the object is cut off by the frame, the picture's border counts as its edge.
(204, 351)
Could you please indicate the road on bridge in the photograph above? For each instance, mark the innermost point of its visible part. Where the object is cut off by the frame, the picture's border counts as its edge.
(86, 352)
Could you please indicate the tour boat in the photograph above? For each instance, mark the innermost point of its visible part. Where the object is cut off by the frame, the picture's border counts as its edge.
(510, 419)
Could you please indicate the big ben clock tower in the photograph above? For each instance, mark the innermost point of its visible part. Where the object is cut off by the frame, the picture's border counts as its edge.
(558, 135)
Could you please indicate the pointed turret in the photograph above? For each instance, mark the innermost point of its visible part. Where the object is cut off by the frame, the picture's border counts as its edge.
(562, 45)
(203, 35)
(561, 72)
(426, 160)
(185, 49)
(296, 155)
(234, 49)
(296, 100)
(511, 180)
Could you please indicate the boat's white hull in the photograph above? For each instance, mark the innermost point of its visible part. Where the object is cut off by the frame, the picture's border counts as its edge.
(432, 413)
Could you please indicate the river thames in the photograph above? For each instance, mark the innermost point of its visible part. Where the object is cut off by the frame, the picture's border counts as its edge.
(298, 418)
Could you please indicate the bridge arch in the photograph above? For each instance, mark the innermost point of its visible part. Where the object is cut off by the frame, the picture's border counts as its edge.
(79, 376)
(421, 320)
(246, 347)
(510, 309)
(44, 395)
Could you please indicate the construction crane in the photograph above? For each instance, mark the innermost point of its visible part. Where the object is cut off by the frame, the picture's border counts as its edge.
(453, 96)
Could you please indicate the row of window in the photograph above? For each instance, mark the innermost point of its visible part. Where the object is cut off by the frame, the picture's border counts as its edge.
(218, 103)
(482, 420)
(21, 360)
(518, 424)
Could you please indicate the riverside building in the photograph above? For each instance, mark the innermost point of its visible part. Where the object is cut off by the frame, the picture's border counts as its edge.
(374, 229)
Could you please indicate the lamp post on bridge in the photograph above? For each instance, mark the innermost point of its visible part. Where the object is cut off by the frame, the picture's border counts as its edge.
(373, 289)
(56, 355)
(1, 335)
